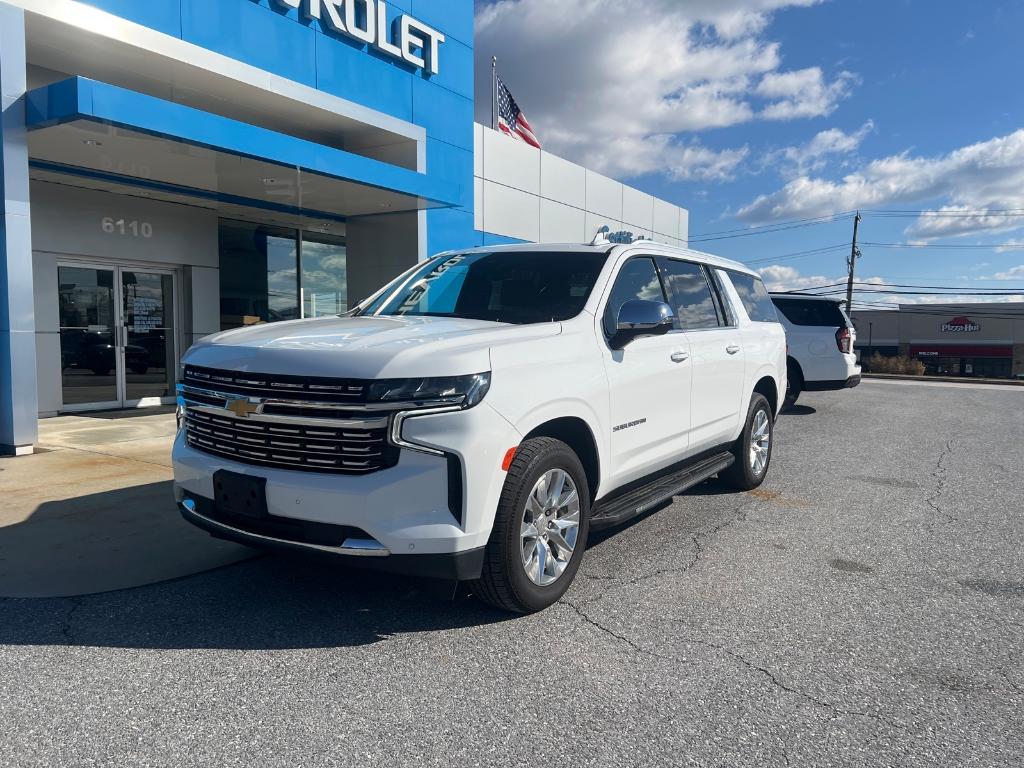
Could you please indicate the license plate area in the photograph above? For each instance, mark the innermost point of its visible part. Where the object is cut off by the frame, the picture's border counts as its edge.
(238, 495)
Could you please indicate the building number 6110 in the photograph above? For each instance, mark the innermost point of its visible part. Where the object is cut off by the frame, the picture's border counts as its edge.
(133, 228)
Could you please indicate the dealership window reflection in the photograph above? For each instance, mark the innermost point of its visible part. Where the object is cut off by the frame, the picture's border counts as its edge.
(264, 270)
(324, 275)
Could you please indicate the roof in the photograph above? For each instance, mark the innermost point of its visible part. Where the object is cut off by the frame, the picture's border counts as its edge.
(648, 246)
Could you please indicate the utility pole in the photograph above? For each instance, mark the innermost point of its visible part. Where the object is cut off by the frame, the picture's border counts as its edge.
(852, 265)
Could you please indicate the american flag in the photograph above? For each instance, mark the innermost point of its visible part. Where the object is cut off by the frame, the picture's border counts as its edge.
(511, 120)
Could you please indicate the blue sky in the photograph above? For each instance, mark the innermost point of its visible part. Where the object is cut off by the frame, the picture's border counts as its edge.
(749, 112)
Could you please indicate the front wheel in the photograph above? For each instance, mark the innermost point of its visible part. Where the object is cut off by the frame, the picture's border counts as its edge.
(540, 530)
(753, 448)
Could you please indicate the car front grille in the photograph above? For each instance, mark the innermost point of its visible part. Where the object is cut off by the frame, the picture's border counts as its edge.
(290, 444)
(287, 422)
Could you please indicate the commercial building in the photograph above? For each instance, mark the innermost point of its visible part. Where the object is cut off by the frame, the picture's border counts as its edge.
(174, 168)
(983, 340)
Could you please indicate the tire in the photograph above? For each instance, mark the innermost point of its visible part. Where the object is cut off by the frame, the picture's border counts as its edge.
(794, 385)
(505, 582)
(743, 475)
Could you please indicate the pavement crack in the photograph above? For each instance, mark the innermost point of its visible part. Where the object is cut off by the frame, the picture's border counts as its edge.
(834, 709)
(939, 473)
(698, 539)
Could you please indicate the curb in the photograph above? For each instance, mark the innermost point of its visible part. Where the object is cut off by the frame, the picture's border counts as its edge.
(952, 379)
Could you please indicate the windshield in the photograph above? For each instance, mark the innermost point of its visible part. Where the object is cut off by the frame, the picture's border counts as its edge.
(519, 287)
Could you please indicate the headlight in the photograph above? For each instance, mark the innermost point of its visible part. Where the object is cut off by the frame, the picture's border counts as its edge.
(466, 391)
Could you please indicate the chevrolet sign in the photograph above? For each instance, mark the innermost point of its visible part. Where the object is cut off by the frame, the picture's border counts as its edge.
(367, 21)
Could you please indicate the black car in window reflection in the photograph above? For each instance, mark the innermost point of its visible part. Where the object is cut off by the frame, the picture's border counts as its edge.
(95, 351)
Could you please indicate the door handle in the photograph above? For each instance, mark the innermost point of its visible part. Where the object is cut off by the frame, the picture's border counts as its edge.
(732, 349)
(680, 357)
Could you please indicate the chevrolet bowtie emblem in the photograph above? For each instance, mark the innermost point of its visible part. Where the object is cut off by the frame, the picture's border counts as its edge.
(243, 408)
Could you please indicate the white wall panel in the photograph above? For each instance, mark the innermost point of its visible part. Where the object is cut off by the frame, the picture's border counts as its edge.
(684, 226)
(562, 181)
(562, 223)
(604, 196)
(637, 209)
(511, 212)
(48, 373)
(666, 219)
(511, 163)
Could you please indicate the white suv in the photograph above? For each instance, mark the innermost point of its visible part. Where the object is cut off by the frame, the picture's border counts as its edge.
(820, 337)
(477, 417)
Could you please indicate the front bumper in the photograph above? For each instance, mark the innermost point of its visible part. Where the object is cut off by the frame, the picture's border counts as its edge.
(427, 505)
(367, 553)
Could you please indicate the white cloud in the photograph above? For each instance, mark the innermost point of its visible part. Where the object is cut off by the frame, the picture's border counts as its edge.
(978, 181)
(1013, 273)
(780, 277)
(814, 155)
(612, 84)
(1008, 246)
(802, 93)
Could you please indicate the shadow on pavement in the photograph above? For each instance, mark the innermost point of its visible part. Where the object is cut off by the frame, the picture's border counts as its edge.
(799, 410)
(275, 602)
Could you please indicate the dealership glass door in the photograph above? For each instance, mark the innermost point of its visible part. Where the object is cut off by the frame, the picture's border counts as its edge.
(117, 336)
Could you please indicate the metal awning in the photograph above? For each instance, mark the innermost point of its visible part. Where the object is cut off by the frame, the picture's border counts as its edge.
(87, 128)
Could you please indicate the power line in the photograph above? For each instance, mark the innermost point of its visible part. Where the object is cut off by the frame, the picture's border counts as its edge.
(786, 223)
(799, 254)
(951, 246)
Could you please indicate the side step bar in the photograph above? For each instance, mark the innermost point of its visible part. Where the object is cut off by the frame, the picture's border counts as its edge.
(608, 513)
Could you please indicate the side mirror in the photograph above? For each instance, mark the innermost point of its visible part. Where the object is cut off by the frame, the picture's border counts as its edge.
(639, 318)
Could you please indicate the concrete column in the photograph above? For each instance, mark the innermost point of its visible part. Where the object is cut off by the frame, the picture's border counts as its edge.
(18, 394)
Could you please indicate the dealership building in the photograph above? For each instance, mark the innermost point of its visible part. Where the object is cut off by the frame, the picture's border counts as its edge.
(174, 168)
(983, 340)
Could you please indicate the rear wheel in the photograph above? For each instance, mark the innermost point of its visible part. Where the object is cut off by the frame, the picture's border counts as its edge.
(753, 449)
(540, 530)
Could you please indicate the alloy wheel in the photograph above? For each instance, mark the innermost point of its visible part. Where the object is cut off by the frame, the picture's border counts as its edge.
(550, 527)
(760, 442)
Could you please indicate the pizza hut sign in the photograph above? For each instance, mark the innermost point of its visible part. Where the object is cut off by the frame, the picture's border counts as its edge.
(961, 325)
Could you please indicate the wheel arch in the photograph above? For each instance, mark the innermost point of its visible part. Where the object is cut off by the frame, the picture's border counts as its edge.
(577, 434)
(792, 361)
(768, 387)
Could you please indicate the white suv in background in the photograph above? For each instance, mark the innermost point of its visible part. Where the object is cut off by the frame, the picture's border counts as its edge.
(477, 417)
(820, 338)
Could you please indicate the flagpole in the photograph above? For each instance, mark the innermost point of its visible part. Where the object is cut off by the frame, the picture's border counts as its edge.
(494, 92)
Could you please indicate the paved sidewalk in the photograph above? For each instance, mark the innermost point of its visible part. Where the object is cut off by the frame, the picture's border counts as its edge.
(92, 511)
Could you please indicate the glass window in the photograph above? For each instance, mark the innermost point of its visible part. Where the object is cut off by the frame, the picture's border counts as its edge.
(324, 275)
(518, 287)
(690, 295)
(755, 297)
(258, 274)
(638, 279)
(812, 312)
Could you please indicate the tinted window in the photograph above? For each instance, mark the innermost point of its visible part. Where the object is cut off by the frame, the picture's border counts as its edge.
(755, 297)
(690, 295)
(812, 312)
(638, 279)
(519, 287)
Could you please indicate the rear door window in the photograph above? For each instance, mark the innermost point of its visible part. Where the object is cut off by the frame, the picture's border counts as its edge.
(755, 297)
(811, 312)
(690, 296)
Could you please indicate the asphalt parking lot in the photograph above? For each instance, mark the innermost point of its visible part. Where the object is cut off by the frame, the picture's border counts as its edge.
(865, 607)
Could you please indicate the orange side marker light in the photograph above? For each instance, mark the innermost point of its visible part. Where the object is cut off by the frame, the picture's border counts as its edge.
(507, 461)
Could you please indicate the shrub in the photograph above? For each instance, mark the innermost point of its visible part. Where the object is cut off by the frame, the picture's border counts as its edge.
(897, 365)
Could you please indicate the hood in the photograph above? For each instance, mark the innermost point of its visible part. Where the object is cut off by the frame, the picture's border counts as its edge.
(363, 347)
